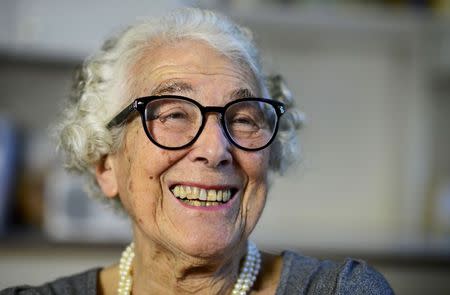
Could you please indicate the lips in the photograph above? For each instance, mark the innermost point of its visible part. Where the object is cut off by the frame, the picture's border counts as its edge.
(198, 196)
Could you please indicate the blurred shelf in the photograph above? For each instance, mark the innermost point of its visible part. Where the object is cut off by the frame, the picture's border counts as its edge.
(35, 243)
(342, 19)
(67, 30)
(36, 240)
(41, 34)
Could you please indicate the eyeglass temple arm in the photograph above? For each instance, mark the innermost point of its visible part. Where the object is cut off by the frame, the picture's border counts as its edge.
(122, 116)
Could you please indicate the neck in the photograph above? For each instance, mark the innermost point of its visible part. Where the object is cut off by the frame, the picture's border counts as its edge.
(158, 270)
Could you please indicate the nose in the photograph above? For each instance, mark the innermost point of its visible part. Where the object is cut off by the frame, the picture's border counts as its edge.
(212, 148)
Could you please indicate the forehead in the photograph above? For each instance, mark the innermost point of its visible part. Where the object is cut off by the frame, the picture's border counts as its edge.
(192, 62)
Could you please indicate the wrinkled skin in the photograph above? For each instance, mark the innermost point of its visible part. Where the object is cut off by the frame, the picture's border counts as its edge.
(190, 249)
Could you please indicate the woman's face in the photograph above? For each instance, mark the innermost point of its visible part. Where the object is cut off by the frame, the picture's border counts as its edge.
(146, 176)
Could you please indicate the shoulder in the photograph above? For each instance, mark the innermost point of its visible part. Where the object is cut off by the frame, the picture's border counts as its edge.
(308, 275)
(81, 283)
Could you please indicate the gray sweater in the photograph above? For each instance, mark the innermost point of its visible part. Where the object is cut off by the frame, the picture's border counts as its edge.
(300, 275)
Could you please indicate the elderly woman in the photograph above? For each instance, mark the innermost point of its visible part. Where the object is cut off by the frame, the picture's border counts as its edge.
(175, 124)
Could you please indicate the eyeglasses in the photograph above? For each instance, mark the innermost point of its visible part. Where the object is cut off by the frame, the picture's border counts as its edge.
(174, 122)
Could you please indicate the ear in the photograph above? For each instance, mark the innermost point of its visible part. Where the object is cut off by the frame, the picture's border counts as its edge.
(106, 176)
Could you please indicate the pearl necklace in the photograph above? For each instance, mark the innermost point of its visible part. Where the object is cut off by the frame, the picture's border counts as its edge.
(246, 279)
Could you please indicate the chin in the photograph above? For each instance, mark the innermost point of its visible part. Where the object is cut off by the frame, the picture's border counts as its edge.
(202, 245)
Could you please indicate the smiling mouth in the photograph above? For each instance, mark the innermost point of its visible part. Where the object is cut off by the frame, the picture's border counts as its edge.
(195, 196)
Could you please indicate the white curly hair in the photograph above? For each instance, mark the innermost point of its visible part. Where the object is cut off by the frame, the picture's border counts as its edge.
(99, 88)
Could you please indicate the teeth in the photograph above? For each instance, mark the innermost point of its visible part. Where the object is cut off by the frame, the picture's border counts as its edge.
(226, 195)
(176, 190)
(212, 195)
(201, 197)
(195, 192)
(201, 203)
(190, 193)
(182, 192)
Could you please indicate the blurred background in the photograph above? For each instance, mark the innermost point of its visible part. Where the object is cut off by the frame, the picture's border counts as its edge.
(372, 78)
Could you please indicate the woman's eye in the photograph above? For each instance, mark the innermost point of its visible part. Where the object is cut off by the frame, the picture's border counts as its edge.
(244, 122)
(172, 116)
(177, 116)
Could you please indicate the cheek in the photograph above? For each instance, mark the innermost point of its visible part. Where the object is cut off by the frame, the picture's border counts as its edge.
(140, 168)
(256, 165)
(146, 161)
(168, 158)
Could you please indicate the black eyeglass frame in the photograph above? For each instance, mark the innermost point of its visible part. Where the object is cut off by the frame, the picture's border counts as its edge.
(140, 105)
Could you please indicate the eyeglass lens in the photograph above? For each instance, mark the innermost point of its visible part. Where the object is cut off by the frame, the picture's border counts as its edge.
(173, 122)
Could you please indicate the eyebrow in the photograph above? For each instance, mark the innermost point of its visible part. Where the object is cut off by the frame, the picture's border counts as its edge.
(169, 87)
(173, 86)
(241, 93)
